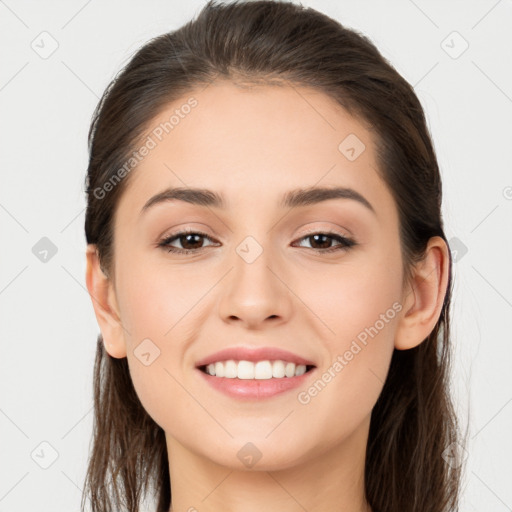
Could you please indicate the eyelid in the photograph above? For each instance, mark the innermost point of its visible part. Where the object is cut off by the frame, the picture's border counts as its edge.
(186, 231)
(327, 231)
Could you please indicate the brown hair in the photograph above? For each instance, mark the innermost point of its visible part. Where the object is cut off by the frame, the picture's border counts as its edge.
(268, 42)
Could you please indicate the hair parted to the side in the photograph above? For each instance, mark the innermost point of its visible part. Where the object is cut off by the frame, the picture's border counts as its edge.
(269, 42)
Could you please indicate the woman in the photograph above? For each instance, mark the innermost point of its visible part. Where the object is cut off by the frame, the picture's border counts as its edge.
(268, 267)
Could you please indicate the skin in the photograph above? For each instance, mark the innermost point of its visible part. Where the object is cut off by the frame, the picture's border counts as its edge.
(253, 145)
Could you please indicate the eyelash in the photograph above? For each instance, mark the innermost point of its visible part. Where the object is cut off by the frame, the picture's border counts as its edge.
(345, 243)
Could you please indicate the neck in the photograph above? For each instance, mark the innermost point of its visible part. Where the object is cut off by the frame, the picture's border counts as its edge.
(329, 482)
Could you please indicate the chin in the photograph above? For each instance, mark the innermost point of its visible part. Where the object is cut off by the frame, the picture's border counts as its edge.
(251, 453)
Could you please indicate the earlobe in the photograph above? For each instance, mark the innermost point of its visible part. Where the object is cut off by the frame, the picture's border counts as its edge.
(424, 300)
(104, 303)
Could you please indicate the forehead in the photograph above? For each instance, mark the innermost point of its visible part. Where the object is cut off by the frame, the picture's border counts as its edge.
(256, 143)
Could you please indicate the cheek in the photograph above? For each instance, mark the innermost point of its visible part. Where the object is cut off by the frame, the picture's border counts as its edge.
(358, 309)
(155, 299)
(346, 299)
(159, 307)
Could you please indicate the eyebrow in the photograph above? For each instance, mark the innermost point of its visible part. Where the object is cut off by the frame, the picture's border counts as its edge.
(292, 199)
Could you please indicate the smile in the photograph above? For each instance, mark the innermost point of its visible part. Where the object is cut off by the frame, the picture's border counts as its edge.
(256, 373)
(259, 370)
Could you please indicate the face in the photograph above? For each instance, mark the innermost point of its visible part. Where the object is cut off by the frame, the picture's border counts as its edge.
(319, 278)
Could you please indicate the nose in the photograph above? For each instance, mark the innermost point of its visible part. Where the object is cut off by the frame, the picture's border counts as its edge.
(256, 294)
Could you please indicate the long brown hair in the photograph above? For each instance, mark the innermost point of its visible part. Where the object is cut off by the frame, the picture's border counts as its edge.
(412, 460)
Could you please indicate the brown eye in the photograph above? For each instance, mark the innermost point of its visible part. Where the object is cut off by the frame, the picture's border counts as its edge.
(190, 241)
(322, 242)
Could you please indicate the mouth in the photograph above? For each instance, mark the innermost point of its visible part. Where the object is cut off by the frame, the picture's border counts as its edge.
(255, 373)
(255, 370)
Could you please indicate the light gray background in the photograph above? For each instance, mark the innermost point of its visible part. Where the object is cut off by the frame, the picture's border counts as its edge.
(48, 329)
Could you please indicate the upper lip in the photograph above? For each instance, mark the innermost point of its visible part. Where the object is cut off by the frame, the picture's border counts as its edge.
(254, 354)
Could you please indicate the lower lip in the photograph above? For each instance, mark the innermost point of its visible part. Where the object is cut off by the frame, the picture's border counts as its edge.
(255, 388)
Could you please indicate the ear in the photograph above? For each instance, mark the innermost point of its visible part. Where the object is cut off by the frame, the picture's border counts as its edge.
(102, 294)
(424, 296)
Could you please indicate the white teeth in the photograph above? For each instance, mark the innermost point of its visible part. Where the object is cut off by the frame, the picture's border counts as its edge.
(219, 369)
(278, 369)
(245, 370)
(289, 369)
(230, 369)
(261, 370)
(300, 370)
